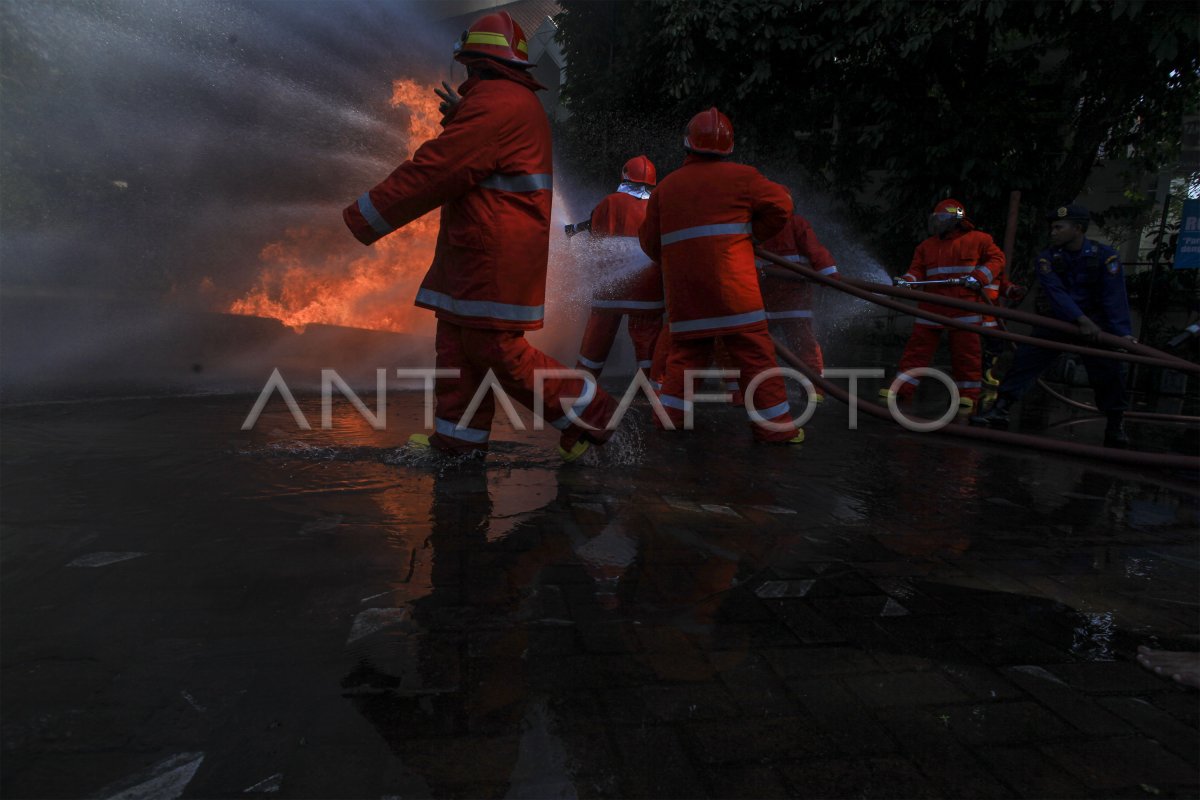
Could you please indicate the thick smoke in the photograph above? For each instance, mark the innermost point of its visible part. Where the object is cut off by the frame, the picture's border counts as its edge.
(149, 144)
(151, 151)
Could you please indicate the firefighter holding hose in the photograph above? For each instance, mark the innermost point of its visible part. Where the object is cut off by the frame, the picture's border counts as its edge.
(789, 301)
(699, 224)
(1081, 282)
(957, 260)
(490, 171)
(629, 284)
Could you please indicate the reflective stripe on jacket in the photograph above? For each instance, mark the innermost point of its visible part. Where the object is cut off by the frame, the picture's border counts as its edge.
(490, 171)
(960, 254)
(699, 223)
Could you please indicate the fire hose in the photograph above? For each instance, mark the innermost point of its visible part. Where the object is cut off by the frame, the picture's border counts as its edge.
(1147, 416)
(860, 289)
(1131, 457)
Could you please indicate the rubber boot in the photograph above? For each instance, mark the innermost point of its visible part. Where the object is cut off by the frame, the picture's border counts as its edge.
(1114, 432)
(994, 417)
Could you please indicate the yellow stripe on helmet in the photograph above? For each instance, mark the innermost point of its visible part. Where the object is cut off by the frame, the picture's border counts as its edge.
(480, 37)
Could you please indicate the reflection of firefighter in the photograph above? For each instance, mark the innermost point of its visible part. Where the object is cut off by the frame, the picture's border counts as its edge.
(491, 172)
(636, 287)
(789, 301)
(966, 260)
(698, 227)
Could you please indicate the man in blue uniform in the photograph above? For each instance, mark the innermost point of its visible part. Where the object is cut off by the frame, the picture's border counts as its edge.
(1082, 282)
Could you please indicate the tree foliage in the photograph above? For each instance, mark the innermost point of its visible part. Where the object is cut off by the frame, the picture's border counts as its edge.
(890, 105)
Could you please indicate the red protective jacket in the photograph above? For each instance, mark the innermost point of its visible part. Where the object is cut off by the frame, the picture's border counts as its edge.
(491, 172)
(788, 298)
(698, 227)
(630, 283)
(962, 253)
(618, 214)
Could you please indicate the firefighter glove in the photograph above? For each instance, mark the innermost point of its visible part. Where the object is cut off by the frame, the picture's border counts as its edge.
(1016, 293)
(450, 98)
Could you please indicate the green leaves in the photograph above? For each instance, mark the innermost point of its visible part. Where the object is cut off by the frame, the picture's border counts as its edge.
(891, 102)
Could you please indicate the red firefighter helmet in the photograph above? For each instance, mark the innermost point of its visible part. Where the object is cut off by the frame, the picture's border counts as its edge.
(709, 132)
(639, 170)
(945, 216)
(495, 36)
(951, 207)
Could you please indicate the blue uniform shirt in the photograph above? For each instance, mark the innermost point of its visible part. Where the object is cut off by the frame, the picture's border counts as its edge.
(1087, 282)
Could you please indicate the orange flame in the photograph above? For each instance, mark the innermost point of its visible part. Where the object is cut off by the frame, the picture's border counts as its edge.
(305, 277)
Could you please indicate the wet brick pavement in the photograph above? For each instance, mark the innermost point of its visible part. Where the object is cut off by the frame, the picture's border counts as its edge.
(193, 611)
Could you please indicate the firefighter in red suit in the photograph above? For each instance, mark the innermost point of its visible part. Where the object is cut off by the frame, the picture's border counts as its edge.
(699, 224)
(955, 250)
(630, 284)
(490, 172)
(789, 301)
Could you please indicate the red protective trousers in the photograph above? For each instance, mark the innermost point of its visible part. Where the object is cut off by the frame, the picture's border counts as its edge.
(514, 362)
(601, 333)
(965, 354)
(752, 353)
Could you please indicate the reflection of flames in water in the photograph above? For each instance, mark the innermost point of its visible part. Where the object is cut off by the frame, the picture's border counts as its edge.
(305, 277)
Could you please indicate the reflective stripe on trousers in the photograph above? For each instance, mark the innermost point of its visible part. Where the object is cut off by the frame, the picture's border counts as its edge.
(480, 308)
(451, 429)
(587, 362)
(768, 414)
(714, 323)
(590, 392)
(677, 403)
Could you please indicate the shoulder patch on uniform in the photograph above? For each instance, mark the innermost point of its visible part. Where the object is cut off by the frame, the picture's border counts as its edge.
(1043, 265)
(1112, 264)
